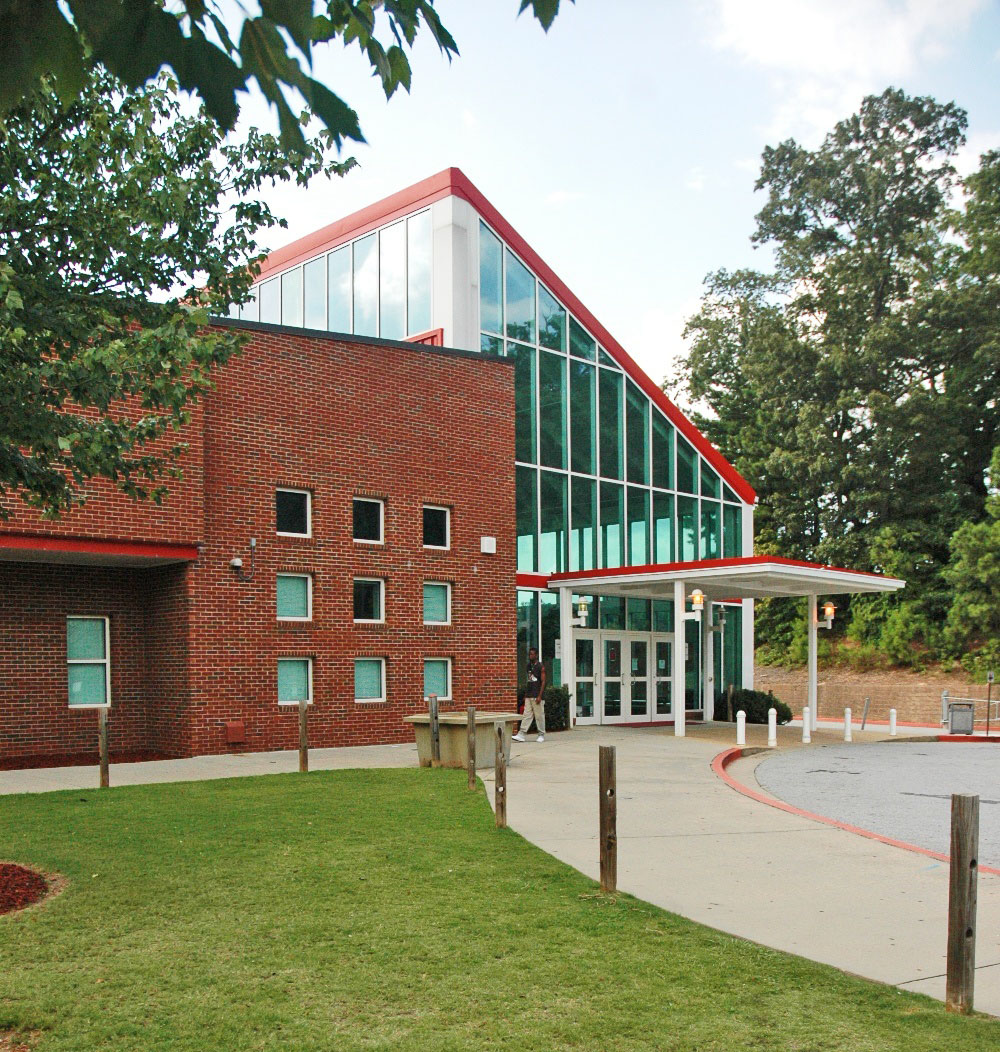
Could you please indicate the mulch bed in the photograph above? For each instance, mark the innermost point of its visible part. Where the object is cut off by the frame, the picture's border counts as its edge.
(20, 887)
(77, 759)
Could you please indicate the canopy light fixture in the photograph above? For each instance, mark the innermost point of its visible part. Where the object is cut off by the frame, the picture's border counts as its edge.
(826, 621)
(697, 598)
(582, 607)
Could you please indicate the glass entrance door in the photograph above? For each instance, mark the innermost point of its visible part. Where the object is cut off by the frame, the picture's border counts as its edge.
(638, 680)
(662, 672)
(586, 647)
(614, 679)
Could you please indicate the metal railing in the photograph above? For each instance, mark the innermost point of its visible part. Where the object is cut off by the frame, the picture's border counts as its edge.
(990, 708)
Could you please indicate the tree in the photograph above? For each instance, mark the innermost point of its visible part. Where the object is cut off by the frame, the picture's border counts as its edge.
(123, 225)
(216, 52)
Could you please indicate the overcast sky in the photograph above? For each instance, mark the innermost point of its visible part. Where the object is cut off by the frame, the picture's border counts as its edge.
(624, 144)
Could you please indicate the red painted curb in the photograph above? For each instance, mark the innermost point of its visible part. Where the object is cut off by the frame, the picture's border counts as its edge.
(728, 756)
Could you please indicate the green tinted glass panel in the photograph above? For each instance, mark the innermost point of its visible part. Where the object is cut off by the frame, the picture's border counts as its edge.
(85, 639)
(293, 679)
(551, 321)
(727, 494)
(552, 409)
(612, 524)
(314, 276)
(527, 520)
(636, 434)
(732, 531)
(491, 344)
(583, 535)
(732, 647)
(711, 529)
(436, 677)
(612, 612)
(291, 297)
(611, 424)
(549, 614)
(663, 528)
(638, 526)
(692, 684)
(554, 525)
(527, 630)
(392, 281)
(663, 451)
(418, 273)
(338, 290)
(687, 529)
(250, 311)
(367, 679)
(663, 621)
(580, 343)
(293, 596)
(520, 300)
(270, 301)
(637, 617)
(687, 466)
(490, 281)
(524, 401)
(583, 416)
(605, 359)
(365, 285)
(87, 684)
(710, 482)
(435, 603)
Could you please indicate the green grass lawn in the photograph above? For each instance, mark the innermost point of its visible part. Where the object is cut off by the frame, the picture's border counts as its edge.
(381, 909)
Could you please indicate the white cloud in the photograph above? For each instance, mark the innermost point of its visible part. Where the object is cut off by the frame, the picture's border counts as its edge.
(967, 159)
(824, 56)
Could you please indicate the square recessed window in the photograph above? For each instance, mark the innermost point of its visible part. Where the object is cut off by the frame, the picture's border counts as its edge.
(437, 527)
(437, 603)
(294, 680)
(368, 599)
(293, 512)
(369, 679)
(437, 678)
(369, 516)
(294, 595)
(88, 661)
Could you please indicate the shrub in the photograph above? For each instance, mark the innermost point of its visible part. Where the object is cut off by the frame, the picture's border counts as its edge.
(755, 704)
(556, 707)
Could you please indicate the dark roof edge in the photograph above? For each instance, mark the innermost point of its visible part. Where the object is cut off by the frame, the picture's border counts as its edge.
(347, 337)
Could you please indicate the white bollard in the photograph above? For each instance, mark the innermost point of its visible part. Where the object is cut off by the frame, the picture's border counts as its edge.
(892, 722)
(847, 725)
(772, 728)
(806, 736)
(741, 728)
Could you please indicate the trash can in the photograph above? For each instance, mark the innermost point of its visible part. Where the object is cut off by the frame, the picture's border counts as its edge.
(961, 718)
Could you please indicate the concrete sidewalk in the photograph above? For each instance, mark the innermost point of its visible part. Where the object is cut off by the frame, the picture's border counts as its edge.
(197, 768)
(689, 843)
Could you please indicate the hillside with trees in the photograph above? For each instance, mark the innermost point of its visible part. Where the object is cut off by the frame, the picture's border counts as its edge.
(855, 383)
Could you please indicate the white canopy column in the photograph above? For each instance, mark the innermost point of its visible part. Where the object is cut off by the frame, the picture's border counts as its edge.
(812, 692)
(677, 673)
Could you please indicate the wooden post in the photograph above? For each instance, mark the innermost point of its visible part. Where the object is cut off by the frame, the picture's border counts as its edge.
(102, 746)
(609, 818)
(303, 738)
(432, 705)
(729, 703)
(500, 779)
(471, 762)
(961, 974)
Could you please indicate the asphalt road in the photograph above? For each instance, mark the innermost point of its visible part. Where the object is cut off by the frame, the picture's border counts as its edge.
(899, 789)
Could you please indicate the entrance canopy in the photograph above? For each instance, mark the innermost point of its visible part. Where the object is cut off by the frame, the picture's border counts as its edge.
(754, 577)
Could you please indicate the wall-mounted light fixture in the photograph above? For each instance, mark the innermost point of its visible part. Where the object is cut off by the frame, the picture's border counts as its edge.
(236, 564)
(697, 598)
(582, 608)
(826, 621)
(720, 620)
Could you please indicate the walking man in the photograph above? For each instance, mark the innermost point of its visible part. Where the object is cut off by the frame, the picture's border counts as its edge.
(534, 698)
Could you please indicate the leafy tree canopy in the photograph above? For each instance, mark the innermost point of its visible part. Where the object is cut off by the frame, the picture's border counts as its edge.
(217, 51)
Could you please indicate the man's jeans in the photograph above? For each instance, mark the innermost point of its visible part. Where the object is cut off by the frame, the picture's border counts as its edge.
(533, 707)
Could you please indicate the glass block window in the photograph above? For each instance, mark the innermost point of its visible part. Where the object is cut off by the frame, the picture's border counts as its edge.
(583, 416)
(369, 520)
(524, 401)
(520, 300)
(687, 467)
(553, 523)
(551, 321)
(638, 526)
(314, 293)
(711, 529)
(583, 524)
(732, 531)
(663, 528)
(437, 527)
(270, 301)
(637, 434)
(418, 273)
(340, 290)
(291, 297)
(551, 410)
(490, 280)
(392, 281)
(369, 679)
(611, 424)
(612, 524)
(663, 452)
(366, 286)
(580, 342)
(526, 500)
(293, 512)
(437, 678)
(294, 597)
(88, 661)
(294, 680)
(437, 603)
(369, 599)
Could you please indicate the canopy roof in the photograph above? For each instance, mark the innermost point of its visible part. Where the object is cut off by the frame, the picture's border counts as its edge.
(753, 577)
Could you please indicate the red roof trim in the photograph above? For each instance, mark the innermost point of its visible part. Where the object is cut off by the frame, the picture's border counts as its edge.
(532, 580)
(133, 549)
(708, 564)
(453, 181)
